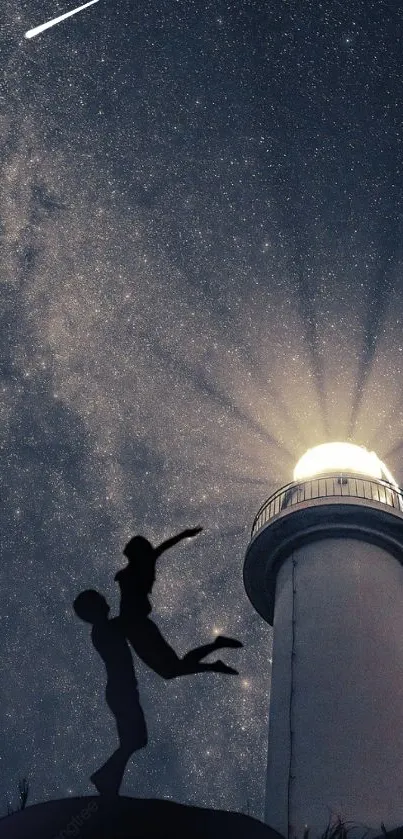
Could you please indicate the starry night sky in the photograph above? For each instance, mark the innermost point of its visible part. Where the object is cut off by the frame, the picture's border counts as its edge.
(201, 277)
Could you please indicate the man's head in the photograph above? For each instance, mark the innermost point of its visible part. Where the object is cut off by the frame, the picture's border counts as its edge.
(91, 606)
(138, 548)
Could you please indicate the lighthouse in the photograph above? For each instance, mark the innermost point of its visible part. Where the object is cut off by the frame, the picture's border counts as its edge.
(324, 567)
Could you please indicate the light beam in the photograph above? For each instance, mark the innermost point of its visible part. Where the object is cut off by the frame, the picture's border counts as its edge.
(38, 29)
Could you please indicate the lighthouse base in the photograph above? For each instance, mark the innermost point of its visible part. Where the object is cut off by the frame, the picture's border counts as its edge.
(336, 709)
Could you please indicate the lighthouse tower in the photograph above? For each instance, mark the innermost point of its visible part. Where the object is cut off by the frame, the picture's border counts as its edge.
(324, 567)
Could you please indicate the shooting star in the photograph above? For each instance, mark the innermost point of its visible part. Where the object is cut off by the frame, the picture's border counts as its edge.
(32, 32)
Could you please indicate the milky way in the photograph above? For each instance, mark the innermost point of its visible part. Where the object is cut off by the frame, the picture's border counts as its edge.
(200, 279)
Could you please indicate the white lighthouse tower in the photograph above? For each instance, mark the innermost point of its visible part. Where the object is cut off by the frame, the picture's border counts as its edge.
(325, 568)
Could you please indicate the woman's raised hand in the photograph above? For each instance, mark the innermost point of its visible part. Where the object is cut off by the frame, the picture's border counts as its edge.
(192, 531)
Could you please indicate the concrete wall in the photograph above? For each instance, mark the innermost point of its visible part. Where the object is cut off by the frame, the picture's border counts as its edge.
(346, 677)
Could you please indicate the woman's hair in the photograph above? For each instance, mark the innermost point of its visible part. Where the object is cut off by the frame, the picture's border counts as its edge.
(138, 548)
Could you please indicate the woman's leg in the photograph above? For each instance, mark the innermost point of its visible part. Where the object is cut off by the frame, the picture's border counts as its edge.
(150, 645)
(199, 653)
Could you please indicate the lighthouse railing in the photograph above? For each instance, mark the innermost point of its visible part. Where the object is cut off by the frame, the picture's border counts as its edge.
(328, 486)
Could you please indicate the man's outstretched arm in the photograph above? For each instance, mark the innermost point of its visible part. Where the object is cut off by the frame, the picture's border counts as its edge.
(169, 543)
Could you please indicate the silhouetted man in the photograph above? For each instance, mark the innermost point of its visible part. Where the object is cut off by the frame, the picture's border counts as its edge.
(108, 636)
(121, 692)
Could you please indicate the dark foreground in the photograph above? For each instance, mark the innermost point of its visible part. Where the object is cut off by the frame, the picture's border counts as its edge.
(93, 817)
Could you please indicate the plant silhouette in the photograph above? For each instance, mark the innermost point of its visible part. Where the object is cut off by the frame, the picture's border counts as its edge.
(109, 637)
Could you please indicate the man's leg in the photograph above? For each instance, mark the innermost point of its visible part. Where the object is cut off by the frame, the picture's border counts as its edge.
(132, 732)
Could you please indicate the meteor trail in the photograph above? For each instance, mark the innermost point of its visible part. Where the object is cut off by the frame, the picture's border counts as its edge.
(32, 32)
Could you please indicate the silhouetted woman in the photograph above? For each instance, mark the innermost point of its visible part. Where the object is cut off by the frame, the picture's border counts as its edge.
(137, 579)
(136, 582)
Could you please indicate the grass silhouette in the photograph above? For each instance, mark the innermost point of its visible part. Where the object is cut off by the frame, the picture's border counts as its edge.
(23, 792)
(339, 829)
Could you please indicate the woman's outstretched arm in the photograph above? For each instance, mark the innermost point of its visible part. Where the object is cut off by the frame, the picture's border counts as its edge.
(169, 543)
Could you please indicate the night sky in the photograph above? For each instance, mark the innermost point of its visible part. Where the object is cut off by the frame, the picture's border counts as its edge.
(201, 277)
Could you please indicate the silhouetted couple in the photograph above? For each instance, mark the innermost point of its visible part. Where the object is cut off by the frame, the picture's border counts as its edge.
(109, 637)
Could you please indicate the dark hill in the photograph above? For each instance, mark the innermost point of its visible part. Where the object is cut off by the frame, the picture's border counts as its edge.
(94, 817)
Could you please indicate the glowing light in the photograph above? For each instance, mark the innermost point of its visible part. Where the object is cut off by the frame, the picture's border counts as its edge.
(38, 29)
(341, 457)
